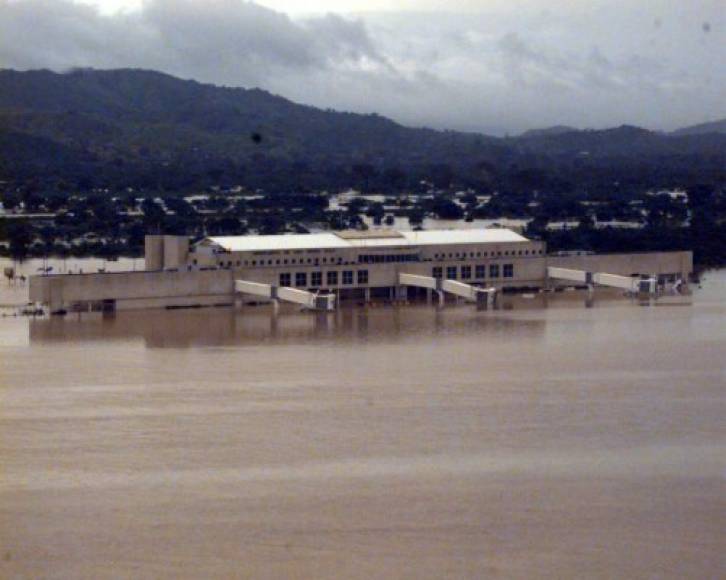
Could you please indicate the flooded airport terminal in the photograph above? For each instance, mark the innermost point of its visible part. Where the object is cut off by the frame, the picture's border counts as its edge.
(319, 270)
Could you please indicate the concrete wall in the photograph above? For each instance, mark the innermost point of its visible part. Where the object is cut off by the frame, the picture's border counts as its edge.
(166, 252)
(154, 252)
(176, 252)
(134, 289)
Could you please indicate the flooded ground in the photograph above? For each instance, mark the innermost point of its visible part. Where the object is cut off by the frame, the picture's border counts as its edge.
(555, 438)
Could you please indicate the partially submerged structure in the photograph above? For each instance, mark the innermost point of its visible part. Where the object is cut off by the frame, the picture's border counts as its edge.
(317, 270)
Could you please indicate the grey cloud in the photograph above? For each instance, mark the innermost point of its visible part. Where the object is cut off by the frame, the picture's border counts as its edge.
(227, 41)
(506, 66)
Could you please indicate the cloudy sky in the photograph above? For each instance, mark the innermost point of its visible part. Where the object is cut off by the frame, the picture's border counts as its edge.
(487, 65)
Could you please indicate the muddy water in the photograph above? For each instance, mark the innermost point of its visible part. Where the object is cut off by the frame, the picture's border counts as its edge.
(547, 440)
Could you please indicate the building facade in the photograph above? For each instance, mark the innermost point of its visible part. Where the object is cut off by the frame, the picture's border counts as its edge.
(348, 262)
(361, 265)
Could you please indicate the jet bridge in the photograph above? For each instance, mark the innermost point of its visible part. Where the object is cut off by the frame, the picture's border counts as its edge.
(311, 300)
(630, 284)
(485, 297)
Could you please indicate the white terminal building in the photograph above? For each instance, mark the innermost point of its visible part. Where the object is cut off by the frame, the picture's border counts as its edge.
(356, 265)
(365, 264)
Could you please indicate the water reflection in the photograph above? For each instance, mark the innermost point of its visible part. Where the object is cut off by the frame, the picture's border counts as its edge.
(514, 316)
(225, 327)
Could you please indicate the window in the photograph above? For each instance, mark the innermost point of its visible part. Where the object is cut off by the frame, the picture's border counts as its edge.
(332, 278)
(465, 272)
(347, 276)
(285, 279)
(508, 270)
(316, 279)
(362, 276)
(379, 258)
(451, 273)
(494, 271)
(301, 279)
(437, 272)
(480, 272)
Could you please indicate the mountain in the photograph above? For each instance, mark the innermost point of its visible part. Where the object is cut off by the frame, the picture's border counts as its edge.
(149, 129)
(548, 131)
(703, 128)
(147, 113)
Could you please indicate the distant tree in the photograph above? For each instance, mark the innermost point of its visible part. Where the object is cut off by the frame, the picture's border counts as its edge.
(416, 216)
(20, 236)
(446, 209)
(10, 199)
(153, 215)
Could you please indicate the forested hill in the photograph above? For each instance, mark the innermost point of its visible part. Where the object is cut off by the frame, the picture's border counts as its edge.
(144, 128)
(703, 128)
(138, 113)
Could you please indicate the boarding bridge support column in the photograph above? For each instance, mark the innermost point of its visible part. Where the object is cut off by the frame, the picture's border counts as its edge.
(487, 298)
(402, 292)
(275, 300)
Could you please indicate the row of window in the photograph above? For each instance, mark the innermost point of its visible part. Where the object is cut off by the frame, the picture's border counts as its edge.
(369, 259)
(381, 258)
(463, 255)
(479, 271)
(280, 262)
(316, 278)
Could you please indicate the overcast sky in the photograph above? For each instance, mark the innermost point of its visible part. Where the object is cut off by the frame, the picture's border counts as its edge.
(489, 65)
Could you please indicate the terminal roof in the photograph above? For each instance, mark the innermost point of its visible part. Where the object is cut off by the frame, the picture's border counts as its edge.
(330, 240)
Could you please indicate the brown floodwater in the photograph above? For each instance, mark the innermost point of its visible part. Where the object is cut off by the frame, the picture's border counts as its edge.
(554, 438)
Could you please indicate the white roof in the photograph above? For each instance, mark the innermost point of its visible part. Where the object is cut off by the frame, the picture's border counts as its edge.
(329, 240)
